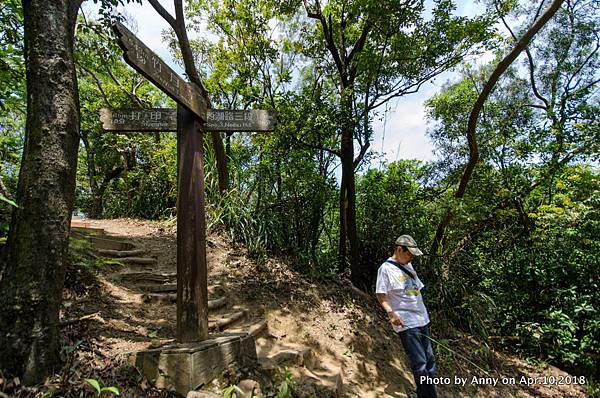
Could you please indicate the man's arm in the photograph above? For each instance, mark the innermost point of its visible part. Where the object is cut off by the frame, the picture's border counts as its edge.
(394, 318)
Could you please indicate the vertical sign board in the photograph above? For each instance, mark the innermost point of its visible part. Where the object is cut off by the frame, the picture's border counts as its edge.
(192, 299)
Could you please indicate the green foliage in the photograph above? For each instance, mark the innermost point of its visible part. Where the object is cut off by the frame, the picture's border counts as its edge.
(69, 349)
(519, 263)
(12, 106)
(521, 258)
(379, 192)
(119, 175)
(12, 68)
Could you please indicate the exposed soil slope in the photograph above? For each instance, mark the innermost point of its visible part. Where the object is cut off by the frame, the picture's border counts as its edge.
(344, 328)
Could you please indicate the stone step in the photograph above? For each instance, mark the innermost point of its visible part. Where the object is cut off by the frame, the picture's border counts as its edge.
(322, 383)
(120, 253)
(171, 298)
(303, 357)
(255, 328)
(87, 230)
(144, 276)
(221, 322)
(136, 260)
(217, 303)
(98, 242)
(165, 288)
(172, 287)
(203, 394)
(158, 298)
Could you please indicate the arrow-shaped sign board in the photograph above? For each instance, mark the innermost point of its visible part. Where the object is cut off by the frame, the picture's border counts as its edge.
(165, 119)
(240, 120)
(158, 119)
(142, 59)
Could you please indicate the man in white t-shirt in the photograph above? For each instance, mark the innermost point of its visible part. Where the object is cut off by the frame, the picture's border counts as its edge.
(398, 291)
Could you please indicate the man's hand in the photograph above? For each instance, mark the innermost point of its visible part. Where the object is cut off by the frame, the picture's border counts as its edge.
(395, 319)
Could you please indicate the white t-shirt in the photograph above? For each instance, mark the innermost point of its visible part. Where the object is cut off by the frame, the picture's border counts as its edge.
(404, 295)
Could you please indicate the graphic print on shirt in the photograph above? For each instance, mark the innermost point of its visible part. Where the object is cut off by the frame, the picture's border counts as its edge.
(410, 284)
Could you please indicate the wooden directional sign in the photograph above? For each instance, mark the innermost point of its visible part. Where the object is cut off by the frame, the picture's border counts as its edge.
(165, 119)
(240, 120)
(158, 119)
(142, 59)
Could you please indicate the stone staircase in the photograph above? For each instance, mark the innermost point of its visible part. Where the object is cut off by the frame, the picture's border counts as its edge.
(310, 378)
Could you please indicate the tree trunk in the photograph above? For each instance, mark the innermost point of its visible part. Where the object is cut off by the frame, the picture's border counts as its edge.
(221, 158)
(348, 234)
(32, 278)
(343, 217)
(348, 212)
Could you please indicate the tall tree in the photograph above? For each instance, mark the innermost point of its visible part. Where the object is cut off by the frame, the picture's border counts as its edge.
(536, 131)
(517, 49)
(376, 52)
(32, 276)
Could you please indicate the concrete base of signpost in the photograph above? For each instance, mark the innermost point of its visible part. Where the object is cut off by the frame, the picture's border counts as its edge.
(185, 367)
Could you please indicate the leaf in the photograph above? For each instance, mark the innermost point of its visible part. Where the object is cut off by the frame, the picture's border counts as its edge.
(113, 262)
(94, 383)
(71, 348)
(114, 390)
(10, 202)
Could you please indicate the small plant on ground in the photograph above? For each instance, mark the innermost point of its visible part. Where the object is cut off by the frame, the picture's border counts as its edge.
(287, 381)
(232, 391)
(94, 383)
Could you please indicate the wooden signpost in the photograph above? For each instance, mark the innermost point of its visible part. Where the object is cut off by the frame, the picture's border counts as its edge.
(189, 120)
(192, 292)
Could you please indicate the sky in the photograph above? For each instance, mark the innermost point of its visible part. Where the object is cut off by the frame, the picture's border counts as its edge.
(401, 134)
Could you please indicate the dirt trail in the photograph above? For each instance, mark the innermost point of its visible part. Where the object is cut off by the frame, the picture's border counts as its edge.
(343, 327)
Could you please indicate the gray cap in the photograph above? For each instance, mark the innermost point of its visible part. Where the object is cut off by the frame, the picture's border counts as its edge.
(408, 242)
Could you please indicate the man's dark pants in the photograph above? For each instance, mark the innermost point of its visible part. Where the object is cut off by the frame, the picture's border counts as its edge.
(417, 345)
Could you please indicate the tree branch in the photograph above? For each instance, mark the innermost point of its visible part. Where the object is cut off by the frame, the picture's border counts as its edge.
(319, 147)
(329, 42)
(97, 81)
(490, 84)
(531, 66)
(477, 107)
